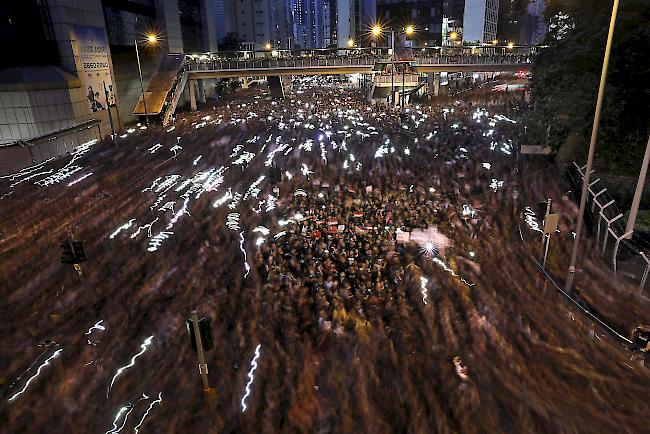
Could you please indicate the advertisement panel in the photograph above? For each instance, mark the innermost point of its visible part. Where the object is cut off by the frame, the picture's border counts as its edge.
(96, 73)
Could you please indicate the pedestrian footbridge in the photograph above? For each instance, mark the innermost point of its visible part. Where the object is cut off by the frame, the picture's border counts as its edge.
(177, 71)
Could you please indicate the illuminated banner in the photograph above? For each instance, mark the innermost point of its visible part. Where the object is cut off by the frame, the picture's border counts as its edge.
(93, 56)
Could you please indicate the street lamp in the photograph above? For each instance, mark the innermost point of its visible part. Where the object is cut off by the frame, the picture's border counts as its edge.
(568, 286)
(376, 30)
(268, 46)
(453, 36)
(409, 30)
(152, 39)
(511, 45)
(495, 41)
(350, 43)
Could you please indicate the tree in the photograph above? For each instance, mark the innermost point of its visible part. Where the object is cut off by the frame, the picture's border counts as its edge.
(566, 77)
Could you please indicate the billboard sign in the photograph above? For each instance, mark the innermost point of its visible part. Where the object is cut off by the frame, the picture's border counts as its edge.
(93, 56)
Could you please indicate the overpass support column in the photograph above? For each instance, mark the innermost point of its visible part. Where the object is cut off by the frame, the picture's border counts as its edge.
(433, 83)
(192, 95)
(275, 86)
(202, 91)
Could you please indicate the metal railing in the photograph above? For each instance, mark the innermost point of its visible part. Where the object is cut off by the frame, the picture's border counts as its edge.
(608, 223)
(361, 61)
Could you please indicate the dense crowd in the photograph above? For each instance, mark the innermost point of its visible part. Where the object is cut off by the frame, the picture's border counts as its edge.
(366, 270)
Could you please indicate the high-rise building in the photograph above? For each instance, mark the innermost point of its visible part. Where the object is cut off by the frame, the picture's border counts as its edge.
(453, 12)
(425, 16)
(82, 47)
(308, 23)
(480, 21)
(255, 22)
(354, 18)
(533, 28)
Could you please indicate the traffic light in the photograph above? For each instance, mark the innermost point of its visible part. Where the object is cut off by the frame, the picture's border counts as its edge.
(205, 328)
(73, 252)
(68, 254)
(79, 254)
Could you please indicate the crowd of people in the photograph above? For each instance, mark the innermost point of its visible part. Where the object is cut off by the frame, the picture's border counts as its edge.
(365, 269)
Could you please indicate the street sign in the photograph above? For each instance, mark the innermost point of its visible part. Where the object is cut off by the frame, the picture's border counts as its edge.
(550, 223)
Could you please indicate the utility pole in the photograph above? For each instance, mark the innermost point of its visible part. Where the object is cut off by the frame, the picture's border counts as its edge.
(108, 107)
(639, 190)
(592, 148)
(144, 101)
(208, 392)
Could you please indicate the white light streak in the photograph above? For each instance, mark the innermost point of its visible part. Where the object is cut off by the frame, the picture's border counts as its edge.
(147, 226)
(496, 184)
(241, 247)
(531, 220)
(305, 170)
(196, 160)
(223, 199)
(232, 221)
(154, 148)
(119, 414)
(178, 215)
(450, 271)
(251, 377)
(38, 372)
(80, 179)
(157, 401)
(253, 190)
(143, 347)
(125, 226)
(115, 430)
(262, 230)
(97, 326)
(423, 285)
(487, 166)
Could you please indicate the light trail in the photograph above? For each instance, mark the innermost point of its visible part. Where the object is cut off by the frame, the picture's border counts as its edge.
(143, 347)
(124, 227)
(38, 372)
(147, 226)
(243, 250)
(146, 413)
(178, 215)
(262, 230)
(157, 240)
(423, 285)
(223, 199)
(232, 221)
(126, 416)
(119, 414)
(97, 326)
(251, 377)
(79, 179)
(450, 271)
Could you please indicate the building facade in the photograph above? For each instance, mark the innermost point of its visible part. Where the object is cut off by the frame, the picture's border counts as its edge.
(426, 16)
(86, 63)
(480, 21)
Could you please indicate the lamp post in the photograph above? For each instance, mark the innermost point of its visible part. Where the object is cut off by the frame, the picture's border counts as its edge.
(592, 149)
(152, 40)
(377, 31)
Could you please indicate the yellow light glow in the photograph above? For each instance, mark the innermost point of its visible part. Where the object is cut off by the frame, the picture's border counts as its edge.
(350, 43)
(453, 36)
(151, 38)
(410, 29)
(495, 41)
(511, 45)
(267, 46)
(376, 30)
